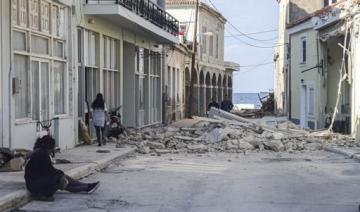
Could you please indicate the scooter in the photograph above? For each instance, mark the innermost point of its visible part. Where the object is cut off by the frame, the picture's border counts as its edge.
(115, 128)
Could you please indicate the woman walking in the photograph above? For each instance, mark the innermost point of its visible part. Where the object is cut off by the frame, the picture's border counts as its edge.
(99, 112)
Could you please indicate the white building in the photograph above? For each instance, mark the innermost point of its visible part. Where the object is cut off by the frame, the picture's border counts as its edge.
(57, 55)
(212, 77)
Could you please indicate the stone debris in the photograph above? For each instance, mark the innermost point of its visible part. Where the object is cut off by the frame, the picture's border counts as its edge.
(203, 135)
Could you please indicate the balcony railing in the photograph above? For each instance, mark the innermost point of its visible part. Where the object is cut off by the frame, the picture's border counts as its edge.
(148, 10)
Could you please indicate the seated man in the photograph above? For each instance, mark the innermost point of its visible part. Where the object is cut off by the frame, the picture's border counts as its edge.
(213, 103)
(43, 180)
(227, 105)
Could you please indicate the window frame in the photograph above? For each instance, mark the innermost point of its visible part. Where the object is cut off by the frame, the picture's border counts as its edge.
(303, 47)
(49, 58)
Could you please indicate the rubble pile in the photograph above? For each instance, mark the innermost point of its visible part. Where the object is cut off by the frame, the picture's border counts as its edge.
(211, 135)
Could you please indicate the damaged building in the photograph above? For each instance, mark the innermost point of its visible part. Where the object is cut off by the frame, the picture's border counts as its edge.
(212, 77)
(319, 65)
(56, 55)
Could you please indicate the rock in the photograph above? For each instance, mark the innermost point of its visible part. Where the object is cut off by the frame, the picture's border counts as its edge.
(278, 136)
(275, 145)
(289, 146)
(162, 151)
(181, 145)
(144, 149)
(313, 146)
(200, 148)
(187, 138)
(216, 135)
(245, 146)
(170, 144)
(231, 146)
(261, 147)
(155, 145)
(267, 135)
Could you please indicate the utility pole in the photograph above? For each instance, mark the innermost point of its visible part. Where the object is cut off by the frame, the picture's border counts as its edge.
(193, 70)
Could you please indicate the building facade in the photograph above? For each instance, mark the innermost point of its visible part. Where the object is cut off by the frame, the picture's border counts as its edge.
(212, 77)
(322, 72)
(57, 55)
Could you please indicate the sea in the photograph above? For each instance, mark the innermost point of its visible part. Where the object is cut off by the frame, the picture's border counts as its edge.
(249, 98)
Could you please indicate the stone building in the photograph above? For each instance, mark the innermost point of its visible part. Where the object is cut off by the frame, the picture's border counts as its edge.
(213, 76)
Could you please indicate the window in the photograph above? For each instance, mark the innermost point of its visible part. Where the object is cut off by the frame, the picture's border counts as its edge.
(329, 2)
(40, 90)
(211, 46)
(303, 50)
(217, 46)
(59, 87)
(311, 101)
(111, 72)
(21, 67)
(39, 58)
(203, 43)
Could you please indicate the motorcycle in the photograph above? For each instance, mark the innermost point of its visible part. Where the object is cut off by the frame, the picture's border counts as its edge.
(115, 127)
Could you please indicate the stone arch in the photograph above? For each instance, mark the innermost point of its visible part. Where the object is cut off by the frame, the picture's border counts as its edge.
(225, 87)
(208, 88)
(194, 104)
(230, 87)
(187, 92)
(202, 94)
(214, 87)
(220, 91)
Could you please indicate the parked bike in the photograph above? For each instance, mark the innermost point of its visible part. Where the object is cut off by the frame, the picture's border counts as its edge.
(115, 127)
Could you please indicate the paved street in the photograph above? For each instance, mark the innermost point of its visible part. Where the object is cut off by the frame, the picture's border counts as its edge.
(270, 182)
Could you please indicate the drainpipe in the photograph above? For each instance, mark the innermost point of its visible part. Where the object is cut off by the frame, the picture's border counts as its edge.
(289, 77)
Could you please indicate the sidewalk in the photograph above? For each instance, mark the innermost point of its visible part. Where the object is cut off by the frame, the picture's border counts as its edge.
(84, 161)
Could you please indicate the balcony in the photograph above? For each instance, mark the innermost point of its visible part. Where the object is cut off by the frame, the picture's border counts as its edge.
(137, 15)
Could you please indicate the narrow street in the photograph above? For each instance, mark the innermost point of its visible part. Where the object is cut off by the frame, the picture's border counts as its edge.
(213, 182)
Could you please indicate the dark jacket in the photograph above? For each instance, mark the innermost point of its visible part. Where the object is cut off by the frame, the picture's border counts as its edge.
(227, 105)
(39, 171)
(213, 104)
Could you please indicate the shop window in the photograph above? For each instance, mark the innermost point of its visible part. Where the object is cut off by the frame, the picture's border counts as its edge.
(59, 87)
(21, 68)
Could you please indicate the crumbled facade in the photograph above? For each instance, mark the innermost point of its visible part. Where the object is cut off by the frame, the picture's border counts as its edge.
(321, 78)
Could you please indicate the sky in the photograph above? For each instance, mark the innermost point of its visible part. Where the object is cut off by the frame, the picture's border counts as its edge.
(250, 16)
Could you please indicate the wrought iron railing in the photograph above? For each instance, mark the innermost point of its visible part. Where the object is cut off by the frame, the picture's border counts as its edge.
(148, 10)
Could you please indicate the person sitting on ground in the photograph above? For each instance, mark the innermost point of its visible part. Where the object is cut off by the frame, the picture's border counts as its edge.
(227, 105)
(43, 179)
(213, 103)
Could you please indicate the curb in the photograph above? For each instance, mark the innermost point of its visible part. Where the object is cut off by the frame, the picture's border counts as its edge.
(21, 197)
(351, 154)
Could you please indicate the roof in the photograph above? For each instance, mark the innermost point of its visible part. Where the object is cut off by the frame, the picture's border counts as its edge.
(202, 5)
(317, 13)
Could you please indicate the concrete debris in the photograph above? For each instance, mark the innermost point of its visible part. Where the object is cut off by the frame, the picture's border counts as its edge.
(202, 135)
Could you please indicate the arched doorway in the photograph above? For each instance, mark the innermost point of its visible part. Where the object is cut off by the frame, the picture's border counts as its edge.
(214, 88)
(230, 88)
(225, 88)
(187, 92)
(202, 90)
(208, 89)
(220, 91)
(194, 93)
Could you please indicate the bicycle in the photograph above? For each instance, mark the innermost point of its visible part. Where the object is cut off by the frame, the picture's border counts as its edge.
(45, 125)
